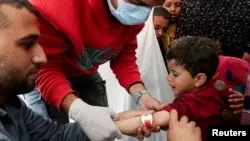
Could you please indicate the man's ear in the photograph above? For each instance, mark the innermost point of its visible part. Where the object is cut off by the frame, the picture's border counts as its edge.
(200, 79)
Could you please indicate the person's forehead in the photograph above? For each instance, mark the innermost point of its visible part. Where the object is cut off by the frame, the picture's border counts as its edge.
(22, 23)
(148, 2)
(160, 19)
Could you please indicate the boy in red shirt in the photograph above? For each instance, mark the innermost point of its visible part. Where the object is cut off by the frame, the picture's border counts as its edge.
(202, 82)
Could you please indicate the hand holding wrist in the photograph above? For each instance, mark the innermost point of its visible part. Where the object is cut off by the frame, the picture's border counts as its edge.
(95, 121)
(138, 95)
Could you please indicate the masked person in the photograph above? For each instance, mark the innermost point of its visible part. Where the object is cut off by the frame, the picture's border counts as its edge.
(77, 36)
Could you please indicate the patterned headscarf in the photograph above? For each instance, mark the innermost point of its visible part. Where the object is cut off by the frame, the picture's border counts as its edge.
(225, 20)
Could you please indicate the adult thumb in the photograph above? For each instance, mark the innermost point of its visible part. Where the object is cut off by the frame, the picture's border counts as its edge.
(173, 118)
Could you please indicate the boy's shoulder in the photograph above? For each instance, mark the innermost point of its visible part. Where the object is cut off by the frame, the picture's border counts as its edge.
(198, 105)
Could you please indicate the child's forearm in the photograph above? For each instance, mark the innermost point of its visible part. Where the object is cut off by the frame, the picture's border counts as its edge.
(129, 126)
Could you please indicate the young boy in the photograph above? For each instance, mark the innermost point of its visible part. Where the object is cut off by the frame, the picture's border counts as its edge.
(200, 94)
(161, 22)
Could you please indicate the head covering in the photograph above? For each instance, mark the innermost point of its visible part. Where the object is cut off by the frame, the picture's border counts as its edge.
(225, 20)
(151, 63)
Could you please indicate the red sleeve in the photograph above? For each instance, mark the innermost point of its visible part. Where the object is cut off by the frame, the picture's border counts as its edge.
(124, 65)
(51, 81)
(240, 69)
(181, 106)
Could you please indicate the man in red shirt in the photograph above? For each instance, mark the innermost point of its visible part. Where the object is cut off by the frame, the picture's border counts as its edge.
(79, 35)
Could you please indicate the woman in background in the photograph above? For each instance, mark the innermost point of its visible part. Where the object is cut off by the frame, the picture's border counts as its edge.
(174, 8)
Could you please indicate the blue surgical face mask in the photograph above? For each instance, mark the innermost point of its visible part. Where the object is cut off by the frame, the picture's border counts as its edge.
(129, 14)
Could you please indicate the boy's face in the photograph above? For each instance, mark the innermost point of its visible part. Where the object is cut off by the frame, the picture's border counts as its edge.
(180, 80)
(160, 25)
(173, 7)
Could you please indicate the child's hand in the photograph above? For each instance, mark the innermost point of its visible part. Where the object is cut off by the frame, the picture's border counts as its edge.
(182, 130)
(236, 100)
(144, 132)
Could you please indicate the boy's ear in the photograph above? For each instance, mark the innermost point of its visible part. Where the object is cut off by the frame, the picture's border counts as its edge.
(200, 79)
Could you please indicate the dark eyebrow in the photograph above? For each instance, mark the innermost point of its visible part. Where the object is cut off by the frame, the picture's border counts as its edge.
(28, 38)
(173, 71)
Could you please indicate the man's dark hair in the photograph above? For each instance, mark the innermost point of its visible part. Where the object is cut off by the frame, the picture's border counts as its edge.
(160, 11)
(18, 4)
(196, 54)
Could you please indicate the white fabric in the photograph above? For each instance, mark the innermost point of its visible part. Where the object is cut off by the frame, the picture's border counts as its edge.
(153, 73)
(151, 63)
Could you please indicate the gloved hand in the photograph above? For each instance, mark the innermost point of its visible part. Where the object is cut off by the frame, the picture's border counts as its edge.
(95, 121)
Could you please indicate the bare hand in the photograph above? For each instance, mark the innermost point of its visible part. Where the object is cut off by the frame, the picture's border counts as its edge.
(131, 113)
(147, 102)
(246, 56)
(144, 132)
(182, 130)
(236, 100)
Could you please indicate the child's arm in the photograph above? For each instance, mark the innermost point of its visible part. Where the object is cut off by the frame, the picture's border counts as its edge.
(129, 126)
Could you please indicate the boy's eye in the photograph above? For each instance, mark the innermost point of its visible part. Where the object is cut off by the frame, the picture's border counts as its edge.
(156, 27)
(175, 75)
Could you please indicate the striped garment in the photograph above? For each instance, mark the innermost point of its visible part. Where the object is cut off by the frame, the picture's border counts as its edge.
(245, 119)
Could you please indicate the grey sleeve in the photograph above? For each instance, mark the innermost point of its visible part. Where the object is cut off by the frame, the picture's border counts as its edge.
(3, 137)
(41, 129)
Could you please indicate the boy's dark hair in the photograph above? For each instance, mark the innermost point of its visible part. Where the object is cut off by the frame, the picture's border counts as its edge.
(160, 11)
(196, 54)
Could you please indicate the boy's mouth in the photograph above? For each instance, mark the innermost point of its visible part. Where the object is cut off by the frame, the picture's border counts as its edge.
(172, 87)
